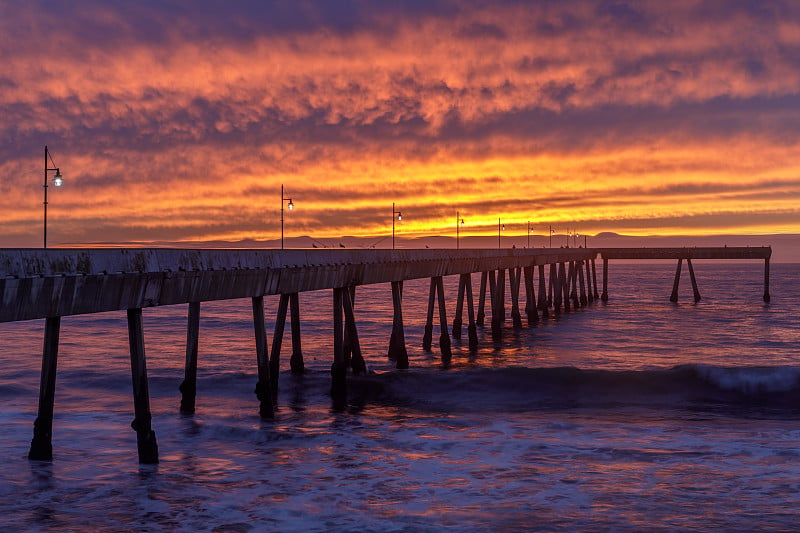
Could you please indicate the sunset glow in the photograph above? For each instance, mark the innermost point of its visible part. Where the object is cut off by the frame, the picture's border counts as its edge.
(180, 121)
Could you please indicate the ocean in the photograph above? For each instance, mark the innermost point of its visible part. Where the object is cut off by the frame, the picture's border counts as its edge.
(632, 415)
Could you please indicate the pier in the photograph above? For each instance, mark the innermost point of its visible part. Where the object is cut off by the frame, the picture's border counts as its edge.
(49, 284)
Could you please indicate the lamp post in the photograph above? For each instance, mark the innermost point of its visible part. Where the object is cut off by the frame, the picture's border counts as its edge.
(529, 234)
(399, 217)
(500, 227)
(459, 222)
(290, 206)
(57, 181)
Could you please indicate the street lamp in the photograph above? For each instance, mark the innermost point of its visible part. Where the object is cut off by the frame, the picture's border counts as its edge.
(399, 217)
(529, 234)
(57, 181)
(290, 206)
(459, 222)
(500, 227)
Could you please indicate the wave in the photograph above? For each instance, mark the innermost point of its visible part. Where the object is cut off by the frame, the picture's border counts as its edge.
(746, 389)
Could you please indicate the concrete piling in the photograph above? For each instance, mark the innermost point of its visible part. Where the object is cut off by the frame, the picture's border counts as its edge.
(514, 282)
(604, 297)
(543, 305)
(444, 336)
(296, 362)
(188, 387)
(339, 366)
(674, 297)
(482, 299)
(694, 281)
(41, 444)
(397, 340)
(472, 332)
(427, 337)
(145, 436)
(357, 362)
(457, 320)
(263, 386)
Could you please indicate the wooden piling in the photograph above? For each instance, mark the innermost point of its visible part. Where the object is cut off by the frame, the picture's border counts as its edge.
(427, 337)
(263, 392)
(296, 362)
(145, 436)
(766, 280)
(188, 387)
(604, 297)
(42, 442)
(674, 297)
(594, 281)
(694, 281)
(277, 342)
(397, 341)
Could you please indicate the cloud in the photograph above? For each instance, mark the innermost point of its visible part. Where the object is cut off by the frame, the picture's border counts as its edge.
(588, 111)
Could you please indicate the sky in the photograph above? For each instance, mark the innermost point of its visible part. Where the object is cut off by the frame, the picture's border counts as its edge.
(178, 121)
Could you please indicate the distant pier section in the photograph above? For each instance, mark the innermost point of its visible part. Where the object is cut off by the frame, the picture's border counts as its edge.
(541, 283)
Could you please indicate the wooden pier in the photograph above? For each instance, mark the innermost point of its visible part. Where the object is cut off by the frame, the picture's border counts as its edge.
(49, 284)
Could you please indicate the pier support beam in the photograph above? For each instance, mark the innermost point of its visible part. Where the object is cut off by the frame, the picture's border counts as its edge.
(530, 296)
(357, 362)
(277, 342)
(427, 337)
(188, 388)
(542, 293)
(694, 281)
(766, 280)
(514, 276)
(145, 436)
(444, 337)
(555, 286)
(263, 386)
(42, 443)
(579, 272)
(397, 341)
(573, 282)
(472, 331)
(594, 281)
(296, 362)
(457, 320)
(604, 297)
(482, 299)
(339, 366)
(564, 282)
(674, 297)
